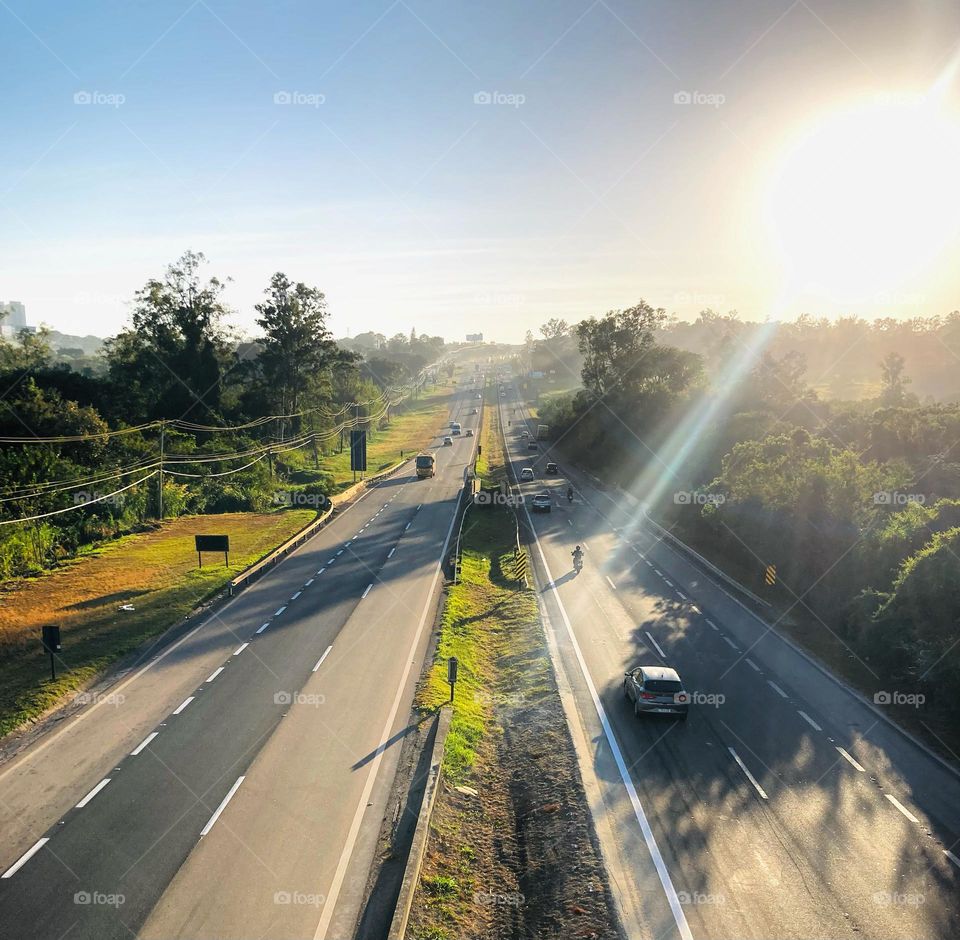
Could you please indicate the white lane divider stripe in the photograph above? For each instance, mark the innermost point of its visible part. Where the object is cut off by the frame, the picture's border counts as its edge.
(20, 862)
(610, 582)
(953, 858)
(143, 743)
(340, 552)
(367, 591)
(730, 642)
(308, 583)
(320, 571)
(261, 628)
(667, 583)
(656, 645)
(295, 596)
(694, 609)
(392, 550)
(93, 793)
(809, 721)
(216, 672)
(221, 807)
(681, 595)
(240, 649)
(746, 770)
(844, 754)
(277, 613)
(321, 659)
(649, 563)
(712, 625)
(407, 526)
(902, 808)
(183, 704)
(773, 685)
(751, 664)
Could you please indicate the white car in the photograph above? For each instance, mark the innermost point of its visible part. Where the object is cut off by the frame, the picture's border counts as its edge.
(448, 442)
(527, 473)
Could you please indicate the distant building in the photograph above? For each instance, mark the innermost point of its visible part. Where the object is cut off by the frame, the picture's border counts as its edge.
(13, 318)
(474, 337)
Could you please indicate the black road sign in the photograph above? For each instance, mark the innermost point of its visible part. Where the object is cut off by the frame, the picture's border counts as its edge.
(358, 450)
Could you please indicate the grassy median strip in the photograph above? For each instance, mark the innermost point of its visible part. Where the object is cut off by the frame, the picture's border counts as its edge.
(155, 573)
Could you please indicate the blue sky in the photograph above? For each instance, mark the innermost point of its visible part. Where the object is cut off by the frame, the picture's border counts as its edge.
(135, 130)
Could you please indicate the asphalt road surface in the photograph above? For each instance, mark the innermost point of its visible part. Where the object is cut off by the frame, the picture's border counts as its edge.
(234, 786)
(785, 806)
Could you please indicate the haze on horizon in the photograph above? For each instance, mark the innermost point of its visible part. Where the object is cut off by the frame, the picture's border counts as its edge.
(458, 168)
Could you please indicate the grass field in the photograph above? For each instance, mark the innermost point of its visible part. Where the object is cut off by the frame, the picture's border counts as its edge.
(410, 430)
(156, 572)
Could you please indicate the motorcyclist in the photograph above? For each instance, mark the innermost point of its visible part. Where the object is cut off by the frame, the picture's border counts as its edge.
(577, 557)
(570, 496)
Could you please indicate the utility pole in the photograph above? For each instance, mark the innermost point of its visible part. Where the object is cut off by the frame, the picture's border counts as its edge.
(163, 430)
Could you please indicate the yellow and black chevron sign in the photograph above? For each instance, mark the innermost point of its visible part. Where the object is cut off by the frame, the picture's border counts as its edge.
(771, 575)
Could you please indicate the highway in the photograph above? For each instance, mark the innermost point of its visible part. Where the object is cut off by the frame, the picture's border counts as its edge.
(785, 806)
(234, 785)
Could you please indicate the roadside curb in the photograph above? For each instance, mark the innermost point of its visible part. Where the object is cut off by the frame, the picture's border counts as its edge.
(421, 835)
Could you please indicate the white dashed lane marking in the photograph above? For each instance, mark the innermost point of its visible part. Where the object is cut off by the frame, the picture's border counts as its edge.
(183, 705)
(851, 760)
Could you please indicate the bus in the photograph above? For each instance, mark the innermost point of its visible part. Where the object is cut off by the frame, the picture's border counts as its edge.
(426, 464)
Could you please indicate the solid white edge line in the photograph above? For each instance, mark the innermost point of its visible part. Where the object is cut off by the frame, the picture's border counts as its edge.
(658, 862)
(93, 793)
(367, 591)
(39, 844)
(746, 770)
(655, 644)
(213, 675)
(144, 743)
(221, 807)
(809, 721)
(240, 649)
(853, 761)
(773, 685)
(183, 704)
(902, 808)
(610, 582)
(321, 659)
(334, 892)
(392, 550)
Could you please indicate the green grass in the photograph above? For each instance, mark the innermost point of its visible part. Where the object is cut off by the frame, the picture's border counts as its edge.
(154, 571)
(479, 616)
(410, 430)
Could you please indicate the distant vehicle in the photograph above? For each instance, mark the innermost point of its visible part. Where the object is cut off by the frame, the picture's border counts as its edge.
(524, 433)
(656, 690)
(543, 432)
(541, 503)
(426, 464)
(526, 473)
(532, 445)
(552, 467)
(474, 411)
(448, 442)
(455, 427)
(469, 432)
(479, 396)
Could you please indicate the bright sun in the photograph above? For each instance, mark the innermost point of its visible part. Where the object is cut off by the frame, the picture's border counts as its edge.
(867, 198)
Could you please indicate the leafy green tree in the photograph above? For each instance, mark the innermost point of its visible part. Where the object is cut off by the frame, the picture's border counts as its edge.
(893, 382)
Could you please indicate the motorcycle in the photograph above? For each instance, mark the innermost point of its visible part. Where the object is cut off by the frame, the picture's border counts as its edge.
(578, 563)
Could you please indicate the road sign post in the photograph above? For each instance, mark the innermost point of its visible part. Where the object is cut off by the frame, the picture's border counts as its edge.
(51, 643)
(212, 543)
(452, 665)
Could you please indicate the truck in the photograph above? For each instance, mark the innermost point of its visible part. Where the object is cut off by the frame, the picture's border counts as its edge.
(543, 432)
(426, 464)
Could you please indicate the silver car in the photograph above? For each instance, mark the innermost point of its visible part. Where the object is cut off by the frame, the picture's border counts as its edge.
(656, 690)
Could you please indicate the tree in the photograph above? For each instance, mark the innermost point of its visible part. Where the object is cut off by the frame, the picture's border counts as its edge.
(893, 383)
(297, 346)
(554, 328)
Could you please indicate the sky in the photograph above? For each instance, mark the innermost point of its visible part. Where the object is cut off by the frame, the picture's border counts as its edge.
(461, 167)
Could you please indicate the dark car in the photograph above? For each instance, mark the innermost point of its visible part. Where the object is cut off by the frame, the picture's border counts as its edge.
(552, 467)
(656, 690)
(532, 445)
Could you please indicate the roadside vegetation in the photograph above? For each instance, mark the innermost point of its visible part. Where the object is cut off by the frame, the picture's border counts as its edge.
(154, 573)
(856, 503)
